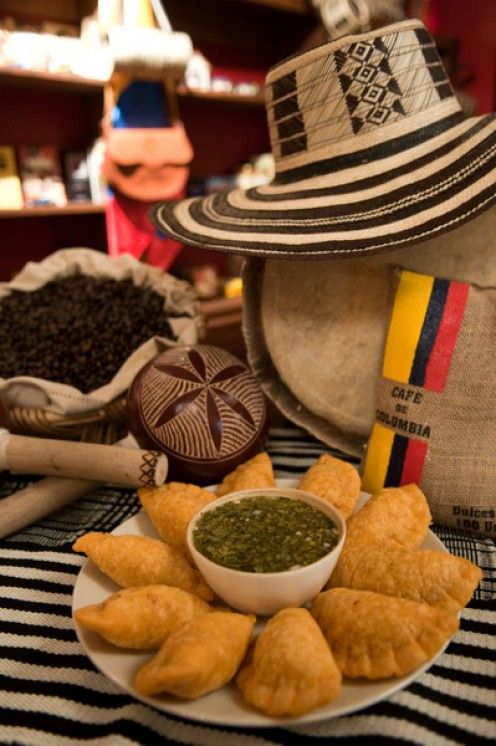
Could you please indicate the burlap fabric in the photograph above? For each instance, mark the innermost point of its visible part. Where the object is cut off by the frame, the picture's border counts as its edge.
(436, 407)
(61, 402)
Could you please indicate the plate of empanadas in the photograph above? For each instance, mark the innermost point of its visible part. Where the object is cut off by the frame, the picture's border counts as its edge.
(149, 622)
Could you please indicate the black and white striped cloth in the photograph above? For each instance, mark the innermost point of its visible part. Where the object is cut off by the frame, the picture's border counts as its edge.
(51, 694)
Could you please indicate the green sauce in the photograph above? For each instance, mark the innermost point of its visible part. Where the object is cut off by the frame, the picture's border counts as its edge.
(264, 534)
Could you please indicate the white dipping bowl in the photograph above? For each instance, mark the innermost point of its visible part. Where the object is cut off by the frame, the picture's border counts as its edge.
(266, 593)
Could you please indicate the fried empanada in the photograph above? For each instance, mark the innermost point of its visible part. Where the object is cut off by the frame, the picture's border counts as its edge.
(170, 508)
(422, 575)
(291, 669)
(197, 658)
(141, 617)
(141, 560)
(397, 514)
(374, 636)
(335, 481)
(253, 474)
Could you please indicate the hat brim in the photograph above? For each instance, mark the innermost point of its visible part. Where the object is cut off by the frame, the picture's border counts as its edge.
(315, 331)
(398, 192)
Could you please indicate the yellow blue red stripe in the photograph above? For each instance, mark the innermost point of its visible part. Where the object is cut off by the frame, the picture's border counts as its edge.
(423, 331)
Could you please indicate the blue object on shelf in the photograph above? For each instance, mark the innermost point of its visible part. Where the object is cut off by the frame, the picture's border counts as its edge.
(141, 104)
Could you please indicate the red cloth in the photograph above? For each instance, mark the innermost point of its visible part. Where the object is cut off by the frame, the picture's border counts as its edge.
(130, 231)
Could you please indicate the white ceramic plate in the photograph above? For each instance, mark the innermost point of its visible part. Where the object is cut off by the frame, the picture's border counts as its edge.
(224, 706)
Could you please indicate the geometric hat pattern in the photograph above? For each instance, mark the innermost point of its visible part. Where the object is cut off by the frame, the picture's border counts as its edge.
(370, 93)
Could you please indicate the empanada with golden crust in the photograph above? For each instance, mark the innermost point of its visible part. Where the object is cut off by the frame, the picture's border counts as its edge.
(422, 575)
(141, 560)
(170, 508)
(197, 658)
(290, 669)
(253, 474)
(141, 617)
(374, 636)
(335, 481)
(397, 514)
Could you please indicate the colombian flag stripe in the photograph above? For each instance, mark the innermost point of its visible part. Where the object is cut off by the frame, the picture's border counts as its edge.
(396, 458)
(393, 460)
(413, 463)
(424, 327)
(438, 364)
(407, 320)
(429, 331)
(377, 458)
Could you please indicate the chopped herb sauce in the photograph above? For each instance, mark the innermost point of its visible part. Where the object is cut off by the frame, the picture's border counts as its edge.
(265, 534)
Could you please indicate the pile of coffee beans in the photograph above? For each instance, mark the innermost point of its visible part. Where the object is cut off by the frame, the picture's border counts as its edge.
(77, 330)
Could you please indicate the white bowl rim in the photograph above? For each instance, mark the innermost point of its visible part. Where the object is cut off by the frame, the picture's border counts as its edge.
(291, 492)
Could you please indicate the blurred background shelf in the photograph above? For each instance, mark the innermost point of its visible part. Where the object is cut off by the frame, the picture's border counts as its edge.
(240, 38)
(71, 83)
(223, 318)
(234, 99)
(51, 81)
(222, 312)
(76, 208)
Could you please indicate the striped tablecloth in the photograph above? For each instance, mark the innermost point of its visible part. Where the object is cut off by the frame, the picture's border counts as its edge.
(51, 694)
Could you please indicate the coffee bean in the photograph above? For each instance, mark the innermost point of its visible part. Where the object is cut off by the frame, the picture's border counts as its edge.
(78, 330)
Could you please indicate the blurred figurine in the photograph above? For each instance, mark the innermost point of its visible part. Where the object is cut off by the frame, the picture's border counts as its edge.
(147, 151)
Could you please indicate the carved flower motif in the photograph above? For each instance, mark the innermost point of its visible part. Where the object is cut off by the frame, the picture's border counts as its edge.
(214, 386)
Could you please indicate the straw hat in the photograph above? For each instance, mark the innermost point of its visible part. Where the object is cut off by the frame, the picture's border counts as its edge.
(372, 152)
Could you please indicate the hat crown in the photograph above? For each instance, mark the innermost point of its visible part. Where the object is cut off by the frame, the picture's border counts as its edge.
(339, 96)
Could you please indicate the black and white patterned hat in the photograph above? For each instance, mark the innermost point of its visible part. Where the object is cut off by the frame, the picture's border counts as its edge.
(372, 152)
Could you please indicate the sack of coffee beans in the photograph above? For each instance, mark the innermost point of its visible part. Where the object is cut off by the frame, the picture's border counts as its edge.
(76, 327)
(435, 421)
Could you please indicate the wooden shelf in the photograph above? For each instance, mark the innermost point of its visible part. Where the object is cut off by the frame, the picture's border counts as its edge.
(72, 83)
(47, 80)
(223, 317)
(76, 208)
(218, 97)
(221, 312)
(299, 7)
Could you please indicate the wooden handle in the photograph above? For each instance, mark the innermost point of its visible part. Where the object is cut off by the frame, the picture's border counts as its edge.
(128, 467)
(39, 500)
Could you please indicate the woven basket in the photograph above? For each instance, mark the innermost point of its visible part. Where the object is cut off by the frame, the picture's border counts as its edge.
(104, 425)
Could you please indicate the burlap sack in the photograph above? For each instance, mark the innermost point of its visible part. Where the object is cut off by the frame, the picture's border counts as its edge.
(435, 422)
(315, 329)
(179, 299)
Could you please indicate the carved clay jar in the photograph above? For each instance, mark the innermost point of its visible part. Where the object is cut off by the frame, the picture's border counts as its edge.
(202, 407)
